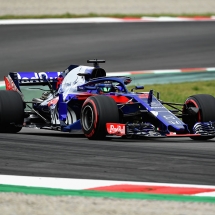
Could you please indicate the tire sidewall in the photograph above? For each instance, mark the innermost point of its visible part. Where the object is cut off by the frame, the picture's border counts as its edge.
(90, 103)
(206, 105)
(11, 112)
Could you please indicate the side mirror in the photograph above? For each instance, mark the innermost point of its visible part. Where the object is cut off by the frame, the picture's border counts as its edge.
(137, 88)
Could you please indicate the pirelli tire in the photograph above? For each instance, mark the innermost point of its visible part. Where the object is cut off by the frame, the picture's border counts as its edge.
(95, 113)
(206, 105)
(11, 112)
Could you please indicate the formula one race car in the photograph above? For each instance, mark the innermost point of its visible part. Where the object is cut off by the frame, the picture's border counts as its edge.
(83, 99)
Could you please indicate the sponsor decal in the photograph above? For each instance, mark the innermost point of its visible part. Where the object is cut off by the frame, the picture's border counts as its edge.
(172, 120)
(115, 129)
(35, 77)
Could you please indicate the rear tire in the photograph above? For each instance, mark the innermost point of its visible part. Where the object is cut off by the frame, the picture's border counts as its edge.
(95, 113)
(11, 111)
(206, 113)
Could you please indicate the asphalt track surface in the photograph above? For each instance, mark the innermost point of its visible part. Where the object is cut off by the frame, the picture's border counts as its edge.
(125, 46)
(46, 153)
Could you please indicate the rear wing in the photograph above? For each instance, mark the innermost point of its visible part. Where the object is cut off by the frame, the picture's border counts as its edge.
(16, 79)
(32, 78)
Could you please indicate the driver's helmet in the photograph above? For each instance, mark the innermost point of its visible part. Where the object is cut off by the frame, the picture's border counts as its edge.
(107, 89)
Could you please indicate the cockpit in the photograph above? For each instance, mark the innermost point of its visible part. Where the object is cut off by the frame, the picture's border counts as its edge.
(91, 79)
(106, 85)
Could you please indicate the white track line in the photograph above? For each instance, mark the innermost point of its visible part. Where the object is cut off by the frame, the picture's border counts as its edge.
(79, 184)
(59, 21)
(102, 20)
(210, 194)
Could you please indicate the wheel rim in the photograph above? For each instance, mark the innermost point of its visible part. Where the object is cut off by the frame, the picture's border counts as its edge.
(192, 103)
(87, 118)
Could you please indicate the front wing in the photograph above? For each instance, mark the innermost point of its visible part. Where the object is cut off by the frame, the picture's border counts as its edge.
(148, 130)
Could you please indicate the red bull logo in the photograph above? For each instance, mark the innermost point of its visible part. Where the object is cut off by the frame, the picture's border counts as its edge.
(115, 129)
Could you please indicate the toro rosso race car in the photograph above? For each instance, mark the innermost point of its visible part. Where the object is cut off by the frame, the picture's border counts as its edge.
(83, 99)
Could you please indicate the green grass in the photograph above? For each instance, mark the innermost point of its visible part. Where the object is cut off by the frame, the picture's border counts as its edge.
(69, 15)
(178, 92)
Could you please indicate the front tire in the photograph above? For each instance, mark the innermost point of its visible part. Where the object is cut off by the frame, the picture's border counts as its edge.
(95, 113)
(206, 105)
(11, 112)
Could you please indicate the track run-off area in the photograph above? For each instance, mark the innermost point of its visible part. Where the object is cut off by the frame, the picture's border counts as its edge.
(127, 46)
